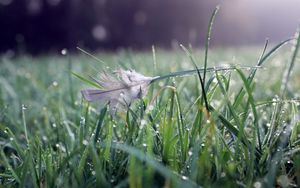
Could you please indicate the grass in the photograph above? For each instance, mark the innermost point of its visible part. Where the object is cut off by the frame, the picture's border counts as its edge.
(234, 128)
(247, 137)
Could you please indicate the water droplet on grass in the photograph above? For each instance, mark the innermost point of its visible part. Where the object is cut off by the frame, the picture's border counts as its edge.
(223, 174)
(24, 107)
(55, 83)
(143, 122)
(161, 84)
(257, 185)
(44, 138)
(150, 107)
(278, 150)
(275, 100)
(85, 142)
(184, 177)
(82, 120)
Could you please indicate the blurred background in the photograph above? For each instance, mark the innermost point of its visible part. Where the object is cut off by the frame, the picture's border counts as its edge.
(48, 26)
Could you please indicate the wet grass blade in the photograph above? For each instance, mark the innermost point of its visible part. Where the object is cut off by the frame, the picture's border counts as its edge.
(99, 124)
(208, 37)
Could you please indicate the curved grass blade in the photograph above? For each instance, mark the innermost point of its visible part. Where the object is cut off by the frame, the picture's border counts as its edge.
(195, 71)
(211, 21)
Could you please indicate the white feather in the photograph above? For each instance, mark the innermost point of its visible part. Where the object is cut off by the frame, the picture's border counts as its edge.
(127, 87)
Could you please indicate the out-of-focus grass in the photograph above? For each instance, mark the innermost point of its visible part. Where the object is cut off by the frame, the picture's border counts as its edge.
(50, 137)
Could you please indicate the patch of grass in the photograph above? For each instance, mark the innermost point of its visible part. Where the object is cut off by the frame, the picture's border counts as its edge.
(234, 128)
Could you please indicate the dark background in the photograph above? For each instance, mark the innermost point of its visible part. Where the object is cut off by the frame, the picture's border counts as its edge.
(43, 26)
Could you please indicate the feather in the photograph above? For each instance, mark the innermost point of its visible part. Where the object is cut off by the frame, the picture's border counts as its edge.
(123, 89)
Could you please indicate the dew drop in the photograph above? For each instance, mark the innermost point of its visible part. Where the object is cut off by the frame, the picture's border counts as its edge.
(223, 174)
(24, 107)
(257, 185)
(85, 142)
(82, 120)
(45, 138)
(184, 177)
(150, 107)
(55, 83)
(275, 100)
(161, 84)
(143, 122)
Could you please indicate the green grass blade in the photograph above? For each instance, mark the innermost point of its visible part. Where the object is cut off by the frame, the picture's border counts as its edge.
(99, 124)
(91, 83)
(208, 37)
